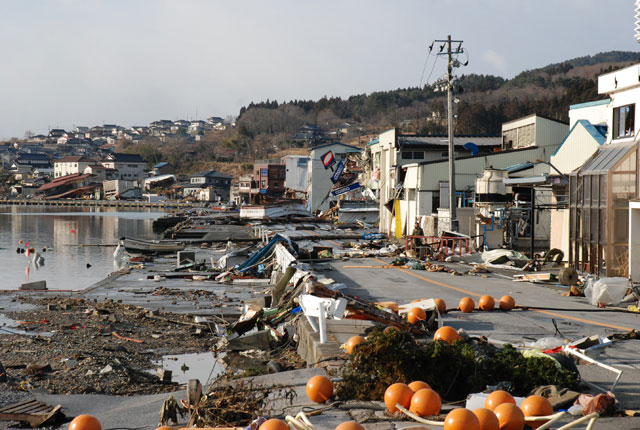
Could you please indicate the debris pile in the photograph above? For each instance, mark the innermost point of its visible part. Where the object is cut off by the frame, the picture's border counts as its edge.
(453, 370)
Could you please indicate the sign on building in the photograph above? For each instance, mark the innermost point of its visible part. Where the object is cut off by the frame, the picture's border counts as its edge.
(328, 159)
(338, 172)
(346, 189)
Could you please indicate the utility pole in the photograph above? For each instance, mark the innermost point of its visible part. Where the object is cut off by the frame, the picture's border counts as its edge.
(451, 63)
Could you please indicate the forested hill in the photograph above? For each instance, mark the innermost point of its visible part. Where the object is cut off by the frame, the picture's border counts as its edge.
(268, 129)
(485, 102)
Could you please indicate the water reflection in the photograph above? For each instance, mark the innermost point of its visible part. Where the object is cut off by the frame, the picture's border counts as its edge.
(75, 245)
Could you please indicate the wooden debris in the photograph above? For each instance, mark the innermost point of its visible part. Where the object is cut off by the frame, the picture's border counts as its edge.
(31, 411)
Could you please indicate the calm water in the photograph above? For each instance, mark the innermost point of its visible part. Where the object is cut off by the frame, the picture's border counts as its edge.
(65, 232)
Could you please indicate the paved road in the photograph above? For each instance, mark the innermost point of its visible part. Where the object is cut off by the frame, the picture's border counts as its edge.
(575, 317)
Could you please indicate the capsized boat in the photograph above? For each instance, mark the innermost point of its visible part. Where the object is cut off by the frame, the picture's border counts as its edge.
(141, 246)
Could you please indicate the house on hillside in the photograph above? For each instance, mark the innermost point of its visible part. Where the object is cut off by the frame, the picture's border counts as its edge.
(130, 167)
(26, 163)
(163, 168)
(71, 165)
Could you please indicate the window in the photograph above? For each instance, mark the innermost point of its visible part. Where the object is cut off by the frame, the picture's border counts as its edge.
(418, 155)
(623, 121)
(407, 155)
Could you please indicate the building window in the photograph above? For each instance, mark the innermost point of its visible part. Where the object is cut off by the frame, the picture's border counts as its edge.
(407, 155)
(418, 155)
(623, 121)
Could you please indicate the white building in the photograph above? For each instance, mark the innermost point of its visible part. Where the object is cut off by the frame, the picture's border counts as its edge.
(319, 177)
(422, 188)
(296, 172)
(71, 165)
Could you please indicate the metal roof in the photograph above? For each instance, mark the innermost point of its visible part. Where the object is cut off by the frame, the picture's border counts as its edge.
(606, 158)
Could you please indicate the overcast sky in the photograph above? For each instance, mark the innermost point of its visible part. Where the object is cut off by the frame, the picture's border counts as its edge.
(129, 62)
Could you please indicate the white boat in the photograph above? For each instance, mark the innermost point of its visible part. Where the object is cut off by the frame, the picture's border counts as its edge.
(281, 209)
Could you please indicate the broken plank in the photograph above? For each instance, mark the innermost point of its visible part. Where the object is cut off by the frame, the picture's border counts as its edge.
(32, 411)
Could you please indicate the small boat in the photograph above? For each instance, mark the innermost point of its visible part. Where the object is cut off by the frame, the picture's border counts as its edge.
(140, 246)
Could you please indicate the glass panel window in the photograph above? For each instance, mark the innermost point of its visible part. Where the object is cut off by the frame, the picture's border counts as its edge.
(623, 121)
(418, 155)
(407, 155)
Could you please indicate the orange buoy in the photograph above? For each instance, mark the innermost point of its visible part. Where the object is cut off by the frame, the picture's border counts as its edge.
(350, 425)
(319, 389)
(353, 342)
(507, 303)
(274, 424)
(461, 419)
(85, 422)
(441, 305)
(509, 416)
(498, 397)
(425, 402)
(536, 406)
(446, 333)
(466, 305)
(418, 385)
(488, 420)
(416, 314)
(417, 300)
(486, 303)
(164, 428)
(397, 393)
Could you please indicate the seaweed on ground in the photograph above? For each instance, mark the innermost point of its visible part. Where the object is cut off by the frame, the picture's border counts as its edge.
(454, 371)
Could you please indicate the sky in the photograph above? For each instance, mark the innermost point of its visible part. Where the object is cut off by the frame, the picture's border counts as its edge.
(65, 63)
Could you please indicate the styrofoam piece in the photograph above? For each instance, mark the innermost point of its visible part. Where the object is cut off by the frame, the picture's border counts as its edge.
(427, 305)
(476, 400)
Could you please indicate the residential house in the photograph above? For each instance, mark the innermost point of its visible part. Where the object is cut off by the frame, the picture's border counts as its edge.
(245, 190)
(130, 167)
(163, 168)
(219, 182)
(269, 176)
(319, 177)
(311, 134)
(71, 165)
(25, 164)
